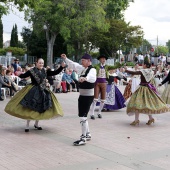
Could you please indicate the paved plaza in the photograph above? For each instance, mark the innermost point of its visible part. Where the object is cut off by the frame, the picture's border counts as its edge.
(115, 145)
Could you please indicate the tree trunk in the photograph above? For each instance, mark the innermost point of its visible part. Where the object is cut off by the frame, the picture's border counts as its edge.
(50, 44)
(49, 53)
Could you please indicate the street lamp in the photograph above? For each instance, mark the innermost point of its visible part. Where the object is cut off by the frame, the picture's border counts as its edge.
(45, 27)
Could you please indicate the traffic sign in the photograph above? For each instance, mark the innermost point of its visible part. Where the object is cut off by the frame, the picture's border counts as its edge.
(152, 49)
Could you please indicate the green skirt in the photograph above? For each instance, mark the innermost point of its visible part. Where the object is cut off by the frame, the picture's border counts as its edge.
(14, 107)
(146, 101)
(166, 95)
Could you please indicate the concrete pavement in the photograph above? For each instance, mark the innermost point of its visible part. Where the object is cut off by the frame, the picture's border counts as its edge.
(115, 145)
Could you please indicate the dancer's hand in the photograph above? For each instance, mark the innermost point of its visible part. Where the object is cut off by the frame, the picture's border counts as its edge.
(82, 79)
(63, 56)
(63, 64)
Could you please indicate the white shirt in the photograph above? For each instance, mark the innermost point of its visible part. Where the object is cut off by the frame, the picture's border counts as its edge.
(91, 76)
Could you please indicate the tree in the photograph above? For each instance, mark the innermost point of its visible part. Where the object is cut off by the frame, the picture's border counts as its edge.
(12, 41)
(37, 46)
(145, 46)
(120, 35)
(162, 49)
(14, 37)
(1, 34)
(88, 17)
(114, 8)
(59, 17)
(20, 4)
(168, 45)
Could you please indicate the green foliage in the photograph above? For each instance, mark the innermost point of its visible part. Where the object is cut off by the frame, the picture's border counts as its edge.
(14, 37)
(113, 67)
(37, 45)
(72, 19)
(114, 8)
(162, 49)
(168, 45)
(15, 51)
(3, 10)
(2, 51)
(94, 55)
(123, 64)
(7, 5)
(129, 64)
(120, 35)
(145, 46)
(1, 34)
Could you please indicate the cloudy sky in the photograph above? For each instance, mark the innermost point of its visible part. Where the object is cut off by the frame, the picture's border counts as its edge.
(152, 15)
(10, 20)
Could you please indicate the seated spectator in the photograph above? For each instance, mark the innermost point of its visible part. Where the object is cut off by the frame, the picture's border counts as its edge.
(69, 81)
(75, 77)
(121, 74)
(5, 82)
(50, 78)
(11, 80)
(18, 71)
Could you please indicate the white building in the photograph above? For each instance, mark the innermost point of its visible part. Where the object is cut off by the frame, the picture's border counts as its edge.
(6, 44)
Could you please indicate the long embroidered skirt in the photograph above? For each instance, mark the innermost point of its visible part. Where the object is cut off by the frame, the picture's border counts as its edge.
(146, 101)
(15, 108)
(114, 98)
(166, 95)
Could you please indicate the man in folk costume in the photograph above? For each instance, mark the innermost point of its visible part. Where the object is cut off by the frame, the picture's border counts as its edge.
(100, 85)
(86, 88)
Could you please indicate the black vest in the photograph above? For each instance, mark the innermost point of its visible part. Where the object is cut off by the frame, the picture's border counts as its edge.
(85, 84)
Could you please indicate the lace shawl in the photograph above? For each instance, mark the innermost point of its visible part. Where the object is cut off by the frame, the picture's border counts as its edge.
(148, 74)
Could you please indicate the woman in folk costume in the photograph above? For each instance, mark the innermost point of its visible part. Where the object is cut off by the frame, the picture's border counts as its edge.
(145, 100)
(114, 98)
(135, 79)
(166, 93)
(36, 101)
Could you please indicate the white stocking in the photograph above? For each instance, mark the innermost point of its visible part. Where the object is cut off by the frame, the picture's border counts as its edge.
(84, 125)
(136, 116)
(28, 123)
(93, 106)
(88, 131)
(36, 123)
(101, 107)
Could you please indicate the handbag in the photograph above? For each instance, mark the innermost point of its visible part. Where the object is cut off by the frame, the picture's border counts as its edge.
(6, 80)
(22, 82)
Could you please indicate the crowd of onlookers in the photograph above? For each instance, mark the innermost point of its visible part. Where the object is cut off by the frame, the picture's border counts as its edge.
(67, 80)
(64, 82)
(139, 58)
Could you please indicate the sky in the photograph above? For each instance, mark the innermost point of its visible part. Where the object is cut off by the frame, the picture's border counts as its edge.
(10, 20)
(152, 15)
